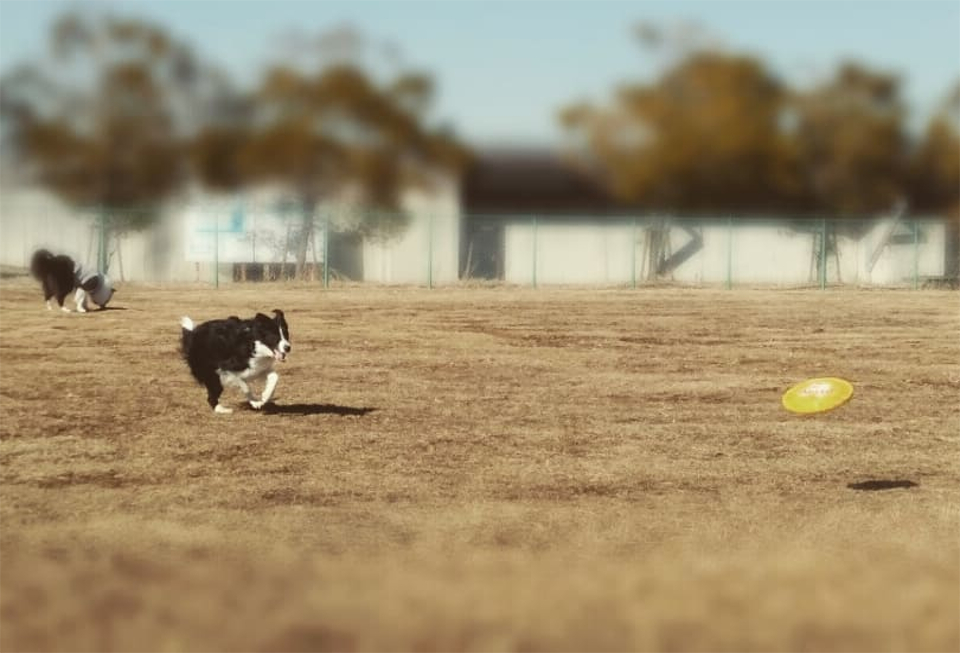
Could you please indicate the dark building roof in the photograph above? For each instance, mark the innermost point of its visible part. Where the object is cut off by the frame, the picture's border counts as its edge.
(512, 181)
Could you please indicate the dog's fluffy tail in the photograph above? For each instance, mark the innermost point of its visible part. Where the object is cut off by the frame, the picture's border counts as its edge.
(186, 335)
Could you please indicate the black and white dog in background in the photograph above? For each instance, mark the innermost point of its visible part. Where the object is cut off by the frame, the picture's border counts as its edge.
(60, 276)
(235, 351)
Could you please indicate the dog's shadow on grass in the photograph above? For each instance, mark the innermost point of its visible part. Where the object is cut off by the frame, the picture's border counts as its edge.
(315, 409)
(878, 485)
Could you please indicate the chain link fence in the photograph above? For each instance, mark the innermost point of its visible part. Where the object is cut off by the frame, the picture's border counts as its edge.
(246, 242)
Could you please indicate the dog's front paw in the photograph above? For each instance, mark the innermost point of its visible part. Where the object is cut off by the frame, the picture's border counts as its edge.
(223, 410)
(257, 405)
(64, 309)
(81, 309)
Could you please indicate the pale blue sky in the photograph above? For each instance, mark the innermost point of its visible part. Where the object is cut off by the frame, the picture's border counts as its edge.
(503, 68)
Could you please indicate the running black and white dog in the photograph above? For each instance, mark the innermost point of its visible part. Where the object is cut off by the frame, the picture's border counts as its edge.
(235, 351)
(61, 275)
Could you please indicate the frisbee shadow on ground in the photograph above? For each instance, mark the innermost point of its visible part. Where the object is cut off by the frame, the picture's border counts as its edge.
(876, 485)
(315, 409)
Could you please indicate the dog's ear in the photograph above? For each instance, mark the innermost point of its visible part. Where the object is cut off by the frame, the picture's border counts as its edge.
(277, 312)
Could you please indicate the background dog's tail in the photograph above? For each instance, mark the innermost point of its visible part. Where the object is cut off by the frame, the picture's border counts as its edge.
(186, 335)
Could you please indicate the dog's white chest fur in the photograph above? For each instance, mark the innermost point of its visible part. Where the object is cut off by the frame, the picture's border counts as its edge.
(260, 364)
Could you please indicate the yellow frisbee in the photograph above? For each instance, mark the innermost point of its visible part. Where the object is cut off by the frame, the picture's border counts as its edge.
(817, 395)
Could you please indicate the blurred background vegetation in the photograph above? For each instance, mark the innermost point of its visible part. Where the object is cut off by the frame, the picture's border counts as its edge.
(123, 113)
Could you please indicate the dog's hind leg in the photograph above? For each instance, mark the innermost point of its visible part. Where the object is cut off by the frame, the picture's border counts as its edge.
(214, 390)
(61, 297)
(80, 297)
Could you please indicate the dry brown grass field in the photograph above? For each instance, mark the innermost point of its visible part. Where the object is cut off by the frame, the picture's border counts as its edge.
(484, 469)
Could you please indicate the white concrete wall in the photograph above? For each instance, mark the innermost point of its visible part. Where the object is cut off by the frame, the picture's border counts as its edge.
(31, 218)
(179, 247)
(264, 235)
(406, 259)
(154, 255)
(568, 253)
(238, 229)
(898, 262)
(749, 254)
(761, 254)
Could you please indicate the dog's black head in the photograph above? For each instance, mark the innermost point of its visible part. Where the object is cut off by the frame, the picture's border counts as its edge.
(274, 333)
(40, 262)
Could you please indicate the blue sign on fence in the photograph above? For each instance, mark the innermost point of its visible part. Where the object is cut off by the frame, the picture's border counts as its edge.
(240, 235)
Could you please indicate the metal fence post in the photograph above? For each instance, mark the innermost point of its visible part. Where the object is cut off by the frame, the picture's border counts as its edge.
(823, 253)
(729, 252)
(102, 242)
(326, 249)
(430, 253)
(534, 251)
(633, 252)
(916, 255)
(216, 251)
